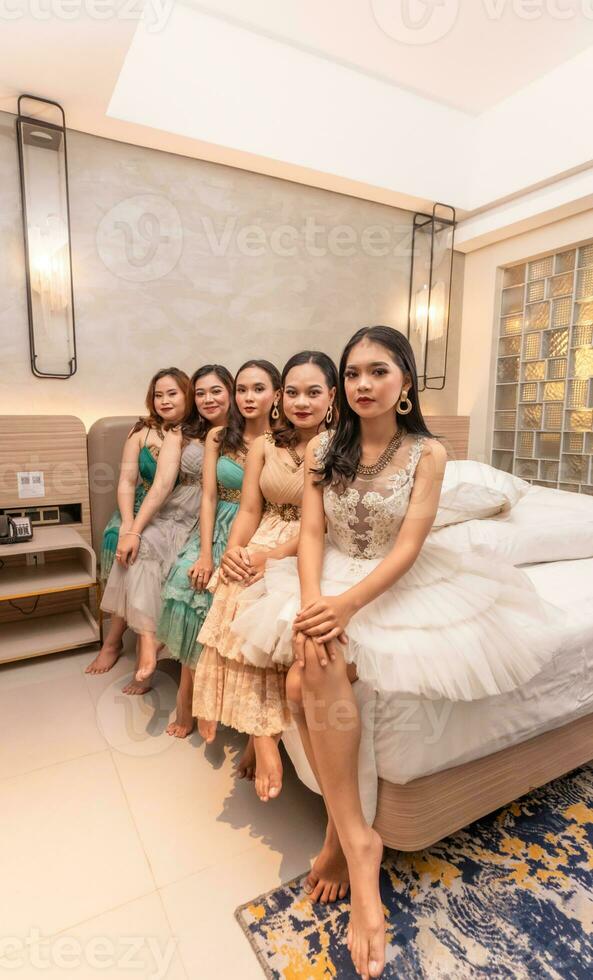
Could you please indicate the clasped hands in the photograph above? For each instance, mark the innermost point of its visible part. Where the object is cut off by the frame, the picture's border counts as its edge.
(241, 565)
(322, 622)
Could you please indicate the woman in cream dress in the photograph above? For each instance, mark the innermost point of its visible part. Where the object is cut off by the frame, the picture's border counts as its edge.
(266, 527)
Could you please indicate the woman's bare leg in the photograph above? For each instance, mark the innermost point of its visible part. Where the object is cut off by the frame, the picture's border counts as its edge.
(147, 653)
(328, 879)
(184, 723)
(112, 647)
(245, 768)
(268, 767)
(134, 686)
(334, 729)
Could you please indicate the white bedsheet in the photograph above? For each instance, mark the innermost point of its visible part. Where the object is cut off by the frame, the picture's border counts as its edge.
(415, 737)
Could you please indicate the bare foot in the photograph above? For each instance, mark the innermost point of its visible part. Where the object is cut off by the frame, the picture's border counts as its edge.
(207, 730)
(366, 932)
(146, 665)
(184, 723)
(268, 767)
(135, 688)
(108, 655)
(245, 768)
(328, 879)
(180, 730)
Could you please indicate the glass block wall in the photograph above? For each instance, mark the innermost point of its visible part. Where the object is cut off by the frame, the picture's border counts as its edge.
(543, 419)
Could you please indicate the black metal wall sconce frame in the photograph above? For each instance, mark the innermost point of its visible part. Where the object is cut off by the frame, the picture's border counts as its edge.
(51, 137)
(434, 224)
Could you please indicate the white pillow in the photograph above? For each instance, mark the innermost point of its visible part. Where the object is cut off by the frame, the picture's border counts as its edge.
(545, 525)
(468, 501)
(459, 471)
(474, 491)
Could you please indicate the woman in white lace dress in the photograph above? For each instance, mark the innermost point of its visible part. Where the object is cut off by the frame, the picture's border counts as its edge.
(377, 603)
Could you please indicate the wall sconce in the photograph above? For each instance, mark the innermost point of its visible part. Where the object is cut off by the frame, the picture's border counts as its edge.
(43, 169)
(430, 294)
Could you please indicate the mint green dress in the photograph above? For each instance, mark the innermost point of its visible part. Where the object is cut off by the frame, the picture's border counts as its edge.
(147, 469)
(184, 609)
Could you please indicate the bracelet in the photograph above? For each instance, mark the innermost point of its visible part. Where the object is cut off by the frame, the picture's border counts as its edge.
(135, 533)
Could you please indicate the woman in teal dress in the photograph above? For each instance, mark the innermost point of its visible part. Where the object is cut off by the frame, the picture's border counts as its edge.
(186, 600)
(169, 401)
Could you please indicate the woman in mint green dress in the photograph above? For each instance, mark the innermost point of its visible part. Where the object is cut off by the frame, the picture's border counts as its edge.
(186, 600)
(169, 401)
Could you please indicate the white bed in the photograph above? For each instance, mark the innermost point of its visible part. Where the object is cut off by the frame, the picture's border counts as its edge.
(415, 738)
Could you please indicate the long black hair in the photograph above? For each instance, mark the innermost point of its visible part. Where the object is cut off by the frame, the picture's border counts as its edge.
(197, 427)
(344, 451)
(231, 437)
(286, 434)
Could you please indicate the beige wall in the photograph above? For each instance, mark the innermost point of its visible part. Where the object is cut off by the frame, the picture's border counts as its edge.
(479, 334)
(179, 261)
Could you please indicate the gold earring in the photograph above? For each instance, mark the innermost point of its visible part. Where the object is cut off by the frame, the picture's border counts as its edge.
(275, 414)
(400, 408)
(329, 416)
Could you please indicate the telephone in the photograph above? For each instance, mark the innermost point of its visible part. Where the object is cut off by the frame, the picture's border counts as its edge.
(14, 529)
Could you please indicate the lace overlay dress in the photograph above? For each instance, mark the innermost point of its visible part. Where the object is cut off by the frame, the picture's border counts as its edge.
(135, 592)
(227, 689)
(455, 625)
(185, 608)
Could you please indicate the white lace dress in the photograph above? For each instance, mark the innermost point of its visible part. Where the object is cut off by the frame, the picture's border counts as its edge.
(455, 625)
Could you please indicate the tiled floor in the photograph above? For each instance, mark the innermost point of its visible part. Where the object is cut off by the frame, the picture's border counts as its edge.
(125, 852)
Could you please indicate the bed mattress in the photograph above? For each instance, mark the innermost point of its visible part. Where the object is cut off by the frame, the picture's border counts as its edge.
(414, 737)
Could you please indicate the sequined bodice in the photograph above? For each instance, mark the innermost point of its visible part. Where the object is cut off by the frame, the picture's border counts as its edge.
(364, 518)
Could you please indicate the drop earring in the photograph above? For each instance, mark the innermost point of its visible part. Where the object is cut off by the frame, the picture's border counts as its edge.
(404, 406)
(275, 414)
(329, 416)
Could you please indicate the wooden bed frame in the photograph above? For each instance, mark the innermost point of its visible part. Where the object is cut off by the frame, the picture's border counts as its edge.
(411, 816)
(414, 815)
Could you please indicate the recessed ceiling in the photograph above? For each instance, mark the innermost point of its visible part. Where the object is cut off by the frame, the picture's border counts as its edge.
(469, 54)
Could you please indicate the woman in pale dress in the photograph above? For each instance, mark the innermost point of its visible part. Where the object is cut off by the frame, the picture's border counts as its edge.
(169, 402)
(266, 528)
(375, 602)
(162, 526)
(186, 599)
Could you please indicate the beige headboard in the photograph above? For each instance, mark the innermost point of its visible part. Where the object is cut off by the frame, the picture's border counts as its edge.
(105, 441)
(107, 436)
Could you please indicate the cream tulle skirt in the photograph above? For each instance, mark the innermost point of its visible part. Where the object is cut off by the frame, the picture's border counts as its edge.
(456, 625)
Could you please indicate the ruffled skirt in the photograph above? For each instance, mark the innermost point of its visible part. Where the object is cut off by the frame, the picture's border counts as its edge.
(226, 688)
(455, 626)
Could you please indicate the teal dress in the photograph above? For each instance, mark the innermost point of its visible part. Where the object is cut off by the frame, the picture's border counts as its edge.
(184, 609)
(147, 468)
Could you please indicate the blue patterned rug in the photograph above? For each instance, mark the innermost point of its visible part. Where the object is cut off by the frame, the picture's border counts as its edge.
(511, 896)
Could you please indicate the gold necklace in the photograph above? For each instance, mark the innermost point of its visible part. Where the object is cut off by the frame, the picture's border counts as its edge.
(297, 460)
(371, 469)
